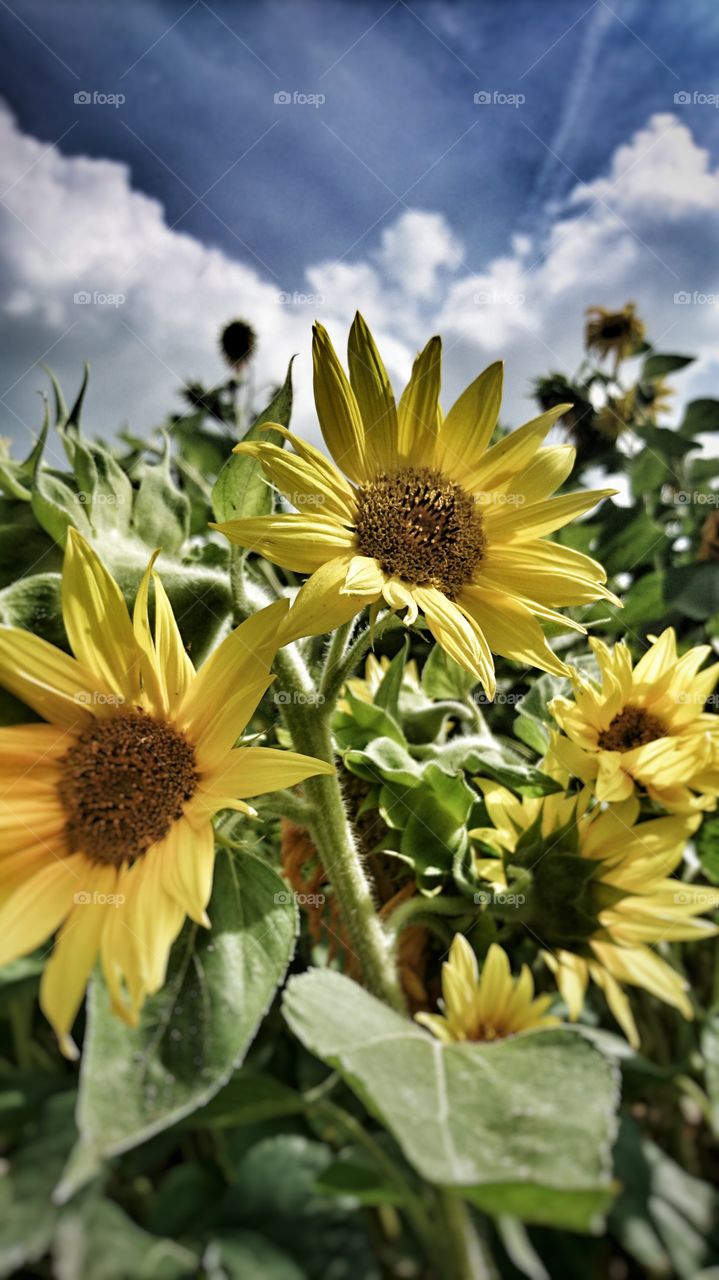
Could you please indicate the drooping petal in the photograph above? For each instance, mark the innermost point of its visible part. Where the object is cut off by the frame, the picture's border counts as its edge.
(322, 603)
(188, 862)
(76, 948)
(458, 634)
(303, 483)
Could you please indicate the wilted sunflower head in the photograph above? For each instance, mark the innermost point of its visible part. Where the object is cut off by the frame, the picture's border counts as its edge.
(489, 1006)
(428, 515)
(616, 333)
(106, 814)
(644, 727)
(237, 343)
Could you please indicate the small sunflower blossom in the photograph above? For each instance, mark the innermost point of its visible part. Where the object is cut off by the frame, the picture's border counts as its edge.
(487, 1007)
(427, 516)
(616, 333)
(600, 890)
(106, 808)
(644, 727)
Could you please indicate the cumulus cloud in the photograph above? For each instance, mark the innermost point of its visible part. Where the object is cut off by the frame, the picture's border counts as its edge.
(644, 230)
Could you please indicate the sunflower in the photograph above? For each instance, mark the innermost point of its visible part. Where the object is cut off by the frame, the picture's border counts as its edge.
(106, 809)
(599, 892)
(429, 518)
(489, 1007)
(616, 333)
(644, 726)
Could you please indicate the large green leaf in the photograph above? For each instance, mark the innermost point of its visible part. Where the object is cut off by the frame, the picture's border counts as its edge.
(242, 489)
(658, 366)
(161, 515)
(521, 1126)
(195, 1032)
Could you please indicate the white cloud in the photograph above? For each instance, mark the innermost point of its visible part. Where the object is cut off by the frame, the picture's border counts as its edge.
(644, 230)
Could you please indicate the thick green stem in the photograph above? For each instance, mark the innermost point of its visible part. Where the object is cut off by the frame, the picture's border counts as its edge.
(464, 1255)
(308, 723)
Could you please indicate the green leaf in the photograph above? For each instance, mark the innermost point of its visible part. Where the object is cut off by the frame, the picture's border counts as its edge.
(244, 1254)
(242, 489)
(34, 603)
(104, 490)
(693, 590)
(56, 505)
(247, 1099)
(670, 444)
(658, 366)
(96, 1239)
(521, 1126)
(442, 677)
(161, 515)
(28, 1217)
(365, 723)
(700, 417)
(195, 1032)
(346, 1178)
(387, 696)
(384, 758)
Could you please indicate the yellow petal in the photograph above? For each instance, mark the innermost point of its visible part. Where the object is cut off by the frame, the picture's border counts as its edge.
(188, 862)
(417, 413)
(510, 628)
(66, 974)
(321, 604)
(154, 918)
(300, 543)
(399, 596)
(545, 572)
(468, 427)
(512, 454)
(375, 398)
(55, 685)
(97, 621)
(304, 485)
(242, 660)
(174, 665)
(458, 635)
(337, 409)
(522, 524)
(34, 911)
(364, 577)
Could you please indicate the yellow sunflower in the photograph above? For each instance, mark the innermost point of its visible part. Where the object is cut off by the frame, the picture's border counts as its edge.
(489, 1007)
(599, 892)
(644, 726)
(106, 809)
(428, 517)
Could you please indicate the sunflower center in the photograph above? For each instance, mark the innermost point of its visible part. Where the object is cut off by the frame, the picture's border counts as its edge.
(422, 528)
(124, 782)
(632, 727)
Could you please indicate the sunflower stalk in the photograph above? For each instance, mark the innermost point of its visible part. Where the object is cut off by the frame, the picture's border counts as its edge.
(308, 721)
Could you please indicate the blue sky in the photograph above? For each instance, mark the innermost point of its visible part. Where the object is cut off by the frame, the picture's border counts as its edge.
(398, 192)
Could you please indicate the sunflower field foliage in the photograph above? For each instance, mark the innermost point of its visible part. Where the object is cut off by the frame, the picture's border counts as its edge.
(359, 839)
